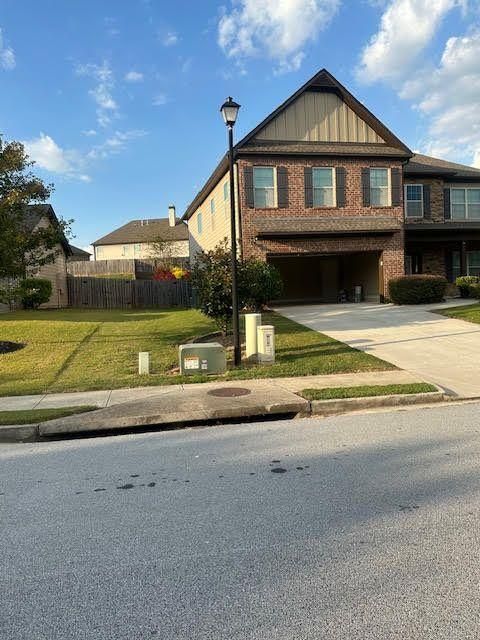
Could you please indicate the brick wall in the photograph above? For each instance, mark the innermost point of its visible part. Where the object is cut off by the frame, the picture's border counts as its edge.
(391, 246)
(436, 199)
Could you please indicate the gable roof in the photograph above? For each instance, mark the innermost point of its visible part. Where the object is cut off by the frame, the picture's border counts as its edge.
(321, 81)
(76, 251)
(146, 230)
(36, 212)
(420, 165)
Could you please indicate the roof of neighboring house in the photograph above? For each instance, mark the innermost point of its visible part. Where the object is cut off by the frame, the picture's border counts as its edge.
(76, 251)
(267, 226)
(428, 166)
(36, 212)
(321, 81)
(145, 231)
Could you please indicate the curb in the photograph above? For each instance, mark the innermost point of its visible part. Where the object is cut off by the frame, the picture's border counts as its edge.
(333, 407)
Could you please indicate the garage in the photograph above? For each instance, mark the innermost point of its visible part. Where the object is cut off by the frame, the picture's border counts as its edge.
(323, 278)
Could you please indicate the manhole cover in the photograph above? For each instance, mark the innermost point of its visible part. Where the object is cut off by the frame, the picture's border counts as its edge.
(229, 392)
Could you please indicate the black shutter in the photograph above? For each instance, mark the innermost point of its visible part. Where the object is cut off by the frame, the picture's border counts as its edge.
(308, 178)
(447, 214)
(366, 187)
(340, 177)
(427, 208)
(396, 187)
(248, 179)
(449, 265)
(282, 187)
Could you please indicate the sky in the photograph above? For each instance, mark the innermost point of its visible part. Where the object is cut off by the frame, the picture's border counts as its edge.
(117, 101)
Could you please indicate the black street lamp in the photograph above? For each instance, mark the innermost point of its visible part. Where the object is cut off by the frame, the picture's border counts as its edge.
(229, 110)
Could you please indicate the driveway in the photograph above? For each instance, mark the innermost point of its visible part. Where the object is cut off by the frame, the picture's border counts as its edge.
(438, 349)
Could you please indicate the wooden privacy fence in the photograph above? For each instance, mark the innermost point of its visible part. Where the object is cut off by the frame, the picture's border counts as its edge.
(103, 293)
(133, 267)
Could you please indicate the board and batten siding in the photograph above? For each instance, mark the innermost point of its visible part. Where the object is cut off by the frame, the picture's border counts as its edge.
(180, 249)
(56, 272)
(319, 117)
(216, 226)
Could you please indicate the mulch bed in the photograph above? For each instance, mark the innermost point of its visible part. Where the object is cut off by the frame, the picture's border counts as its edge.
(8, 347)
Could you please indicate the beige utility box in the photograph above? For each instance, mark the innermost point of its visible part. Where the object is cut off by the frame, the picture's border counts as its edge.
(266, 343)
(252, 322)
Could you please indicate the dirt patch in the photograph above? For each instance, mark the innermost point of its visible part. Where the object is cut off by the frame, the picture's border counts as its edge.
(9, 347)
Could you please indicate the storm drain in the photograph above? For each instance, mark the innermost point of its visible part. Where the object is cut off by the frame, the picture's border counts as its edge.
(229, 392)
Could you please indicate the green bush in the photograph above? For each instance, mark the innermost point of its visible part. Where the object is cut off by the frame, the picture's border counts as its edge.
(474, 291)
(259, 282)
(34, 292)
(10, 293)
(420, 289)
(465, 283)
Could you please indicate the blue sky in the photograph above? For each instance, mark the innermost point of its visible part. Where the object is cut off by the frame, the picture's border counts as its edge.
(117, 101)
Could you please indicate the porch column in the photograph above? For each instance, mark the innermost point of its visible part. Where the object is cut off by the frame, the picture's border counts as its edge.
(463, 258)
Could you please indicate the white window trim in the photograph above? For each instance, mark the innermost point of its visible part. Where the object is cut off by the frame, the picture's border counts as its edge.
(333, 187)
(405, 201)
(465, 189)
(275, 187)
(199, 223)
(389, 188)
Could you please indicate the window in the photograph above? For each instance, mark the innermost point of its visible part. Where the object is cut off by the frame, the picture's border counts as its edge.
(226, 190)
(125, 250)
(323, 187)
(414, 200)
(212, 206)
(264, 179)
(473, 264)
(465, 203)
(199, 223)
(379, 187)
(137, 248)
(99, 251)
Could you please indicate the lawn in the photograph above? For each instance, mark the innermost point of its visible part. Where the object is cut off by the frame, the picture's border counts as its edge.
(366, 391)
(79, 350)
(470, 313)
(32, 416)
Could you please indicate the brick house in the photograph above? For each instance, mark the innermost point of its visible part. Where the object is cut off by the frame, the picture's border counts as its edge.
(334, 199)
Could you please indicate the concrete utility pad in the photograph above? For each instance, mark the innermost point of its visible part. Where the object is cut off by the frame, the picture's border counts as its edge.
(183, 406)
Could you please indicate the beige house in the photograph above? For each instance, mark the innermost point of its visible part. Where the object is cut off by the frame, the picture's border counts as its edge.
(135, 239)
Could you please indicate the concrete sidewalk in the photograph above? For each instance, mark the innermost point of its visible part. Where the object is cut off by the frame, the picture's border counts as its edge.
(110, 398)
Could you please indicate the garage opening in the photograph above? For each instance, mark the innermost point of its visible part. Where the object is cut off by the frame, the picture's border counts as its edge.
(329, 278)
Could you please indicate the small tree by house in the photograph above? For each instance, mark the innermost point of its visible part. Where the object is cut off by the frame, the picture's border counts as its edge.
(162, 251)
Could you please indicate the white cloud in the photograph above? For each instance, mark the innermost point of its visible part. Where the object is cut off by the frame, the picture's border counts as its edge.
(114, 144)
(7, 56)
(48, 155)
(406, 28)
(276, 29)
(89, 132)
(159, 100)
(169, 39)
(101, 93)
(134, 76)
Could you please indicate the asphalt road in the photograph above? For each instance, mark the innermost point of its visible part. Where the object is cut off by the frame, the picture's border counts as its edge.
(363, 526)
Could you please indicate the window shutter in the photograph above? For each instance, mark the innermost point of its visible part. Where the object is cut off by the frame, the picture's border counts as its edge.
(449, 265)
(366, 187)
(447, 214)
(308, 177)
(248, 180)
(396, 187)
(340, 179)
(282, 187)
(427, 209)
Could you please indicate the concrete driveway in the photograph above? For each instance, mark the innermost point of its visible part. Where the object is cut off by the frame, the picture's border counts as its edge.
(438, 349)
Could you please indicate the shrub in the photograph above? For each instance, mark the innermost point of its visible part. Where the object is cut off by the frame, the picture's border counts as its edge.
(260, 282)
(474, 291)
(420, 289)
(465, 283)
(10, 293)
(34, 292)
(164, 275)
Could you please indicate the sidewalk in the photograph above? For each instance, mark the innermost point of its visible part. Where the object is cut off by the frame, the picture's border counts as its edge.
(113, 397)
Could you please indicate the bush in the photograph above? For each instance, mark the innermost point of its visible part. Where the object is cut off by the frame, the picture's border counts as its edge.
(260, 282)
(421, 289)
(10, 293)
(474, 291)
(34, 292)
(465, 283)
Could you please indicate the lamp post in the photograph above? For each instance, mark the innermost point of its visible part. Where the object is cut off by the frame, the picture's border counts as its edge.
(229, 110)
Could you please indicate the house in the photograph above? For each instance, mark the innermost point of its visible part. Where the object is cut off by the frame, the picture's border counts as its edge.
(78, 255)
(43, 215)
(134, 239)
(328, 194)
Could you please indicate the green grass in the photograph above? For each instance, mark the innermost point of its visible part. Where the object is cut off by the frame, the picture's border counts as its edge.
(470, 313)
(32, 416)
(80, 350)
(337, 393)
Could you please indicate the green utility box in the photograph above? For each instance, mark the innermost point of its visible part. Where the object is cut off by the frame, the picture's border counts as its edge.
(208, 357)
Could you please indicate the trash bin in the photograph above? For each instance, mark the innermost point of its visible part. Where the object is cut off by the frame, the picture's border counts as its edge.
(358, 293)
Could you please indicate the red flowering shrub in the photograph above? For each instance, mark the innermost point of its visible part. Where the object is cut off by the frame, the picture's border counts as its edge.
(163, 274)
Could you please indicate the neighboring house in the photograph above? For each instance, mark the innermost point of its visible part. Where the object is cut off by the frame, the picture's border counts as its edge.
(334, 199)
(134, 239)
(78, 255)
(43, 215)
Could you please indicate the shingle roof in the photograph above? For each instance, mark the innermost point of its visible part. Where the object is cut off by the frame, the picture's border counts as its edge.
(321, 149)
(36, 212)
(76, 251)
(426, 165)
(145, 231)
(267, 226)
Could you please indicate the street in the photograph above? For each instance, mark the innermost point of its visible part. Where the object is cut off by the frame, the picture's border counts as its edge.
(361, 526)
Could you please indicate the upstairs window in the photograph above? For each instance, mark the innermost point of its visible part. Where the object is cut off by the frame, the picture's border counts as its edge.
(212, 206)
(465, 203)
(226, 190)
(323, 187)
(379, 188)
(264, 187)
(138, 248)
(414, 201)
(199, 223)
(125, 250)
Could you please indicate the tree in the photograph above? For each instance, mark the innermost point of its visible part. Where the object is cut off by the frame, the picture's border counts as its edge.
(163, 252)
(260, 282)
(22, 250)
